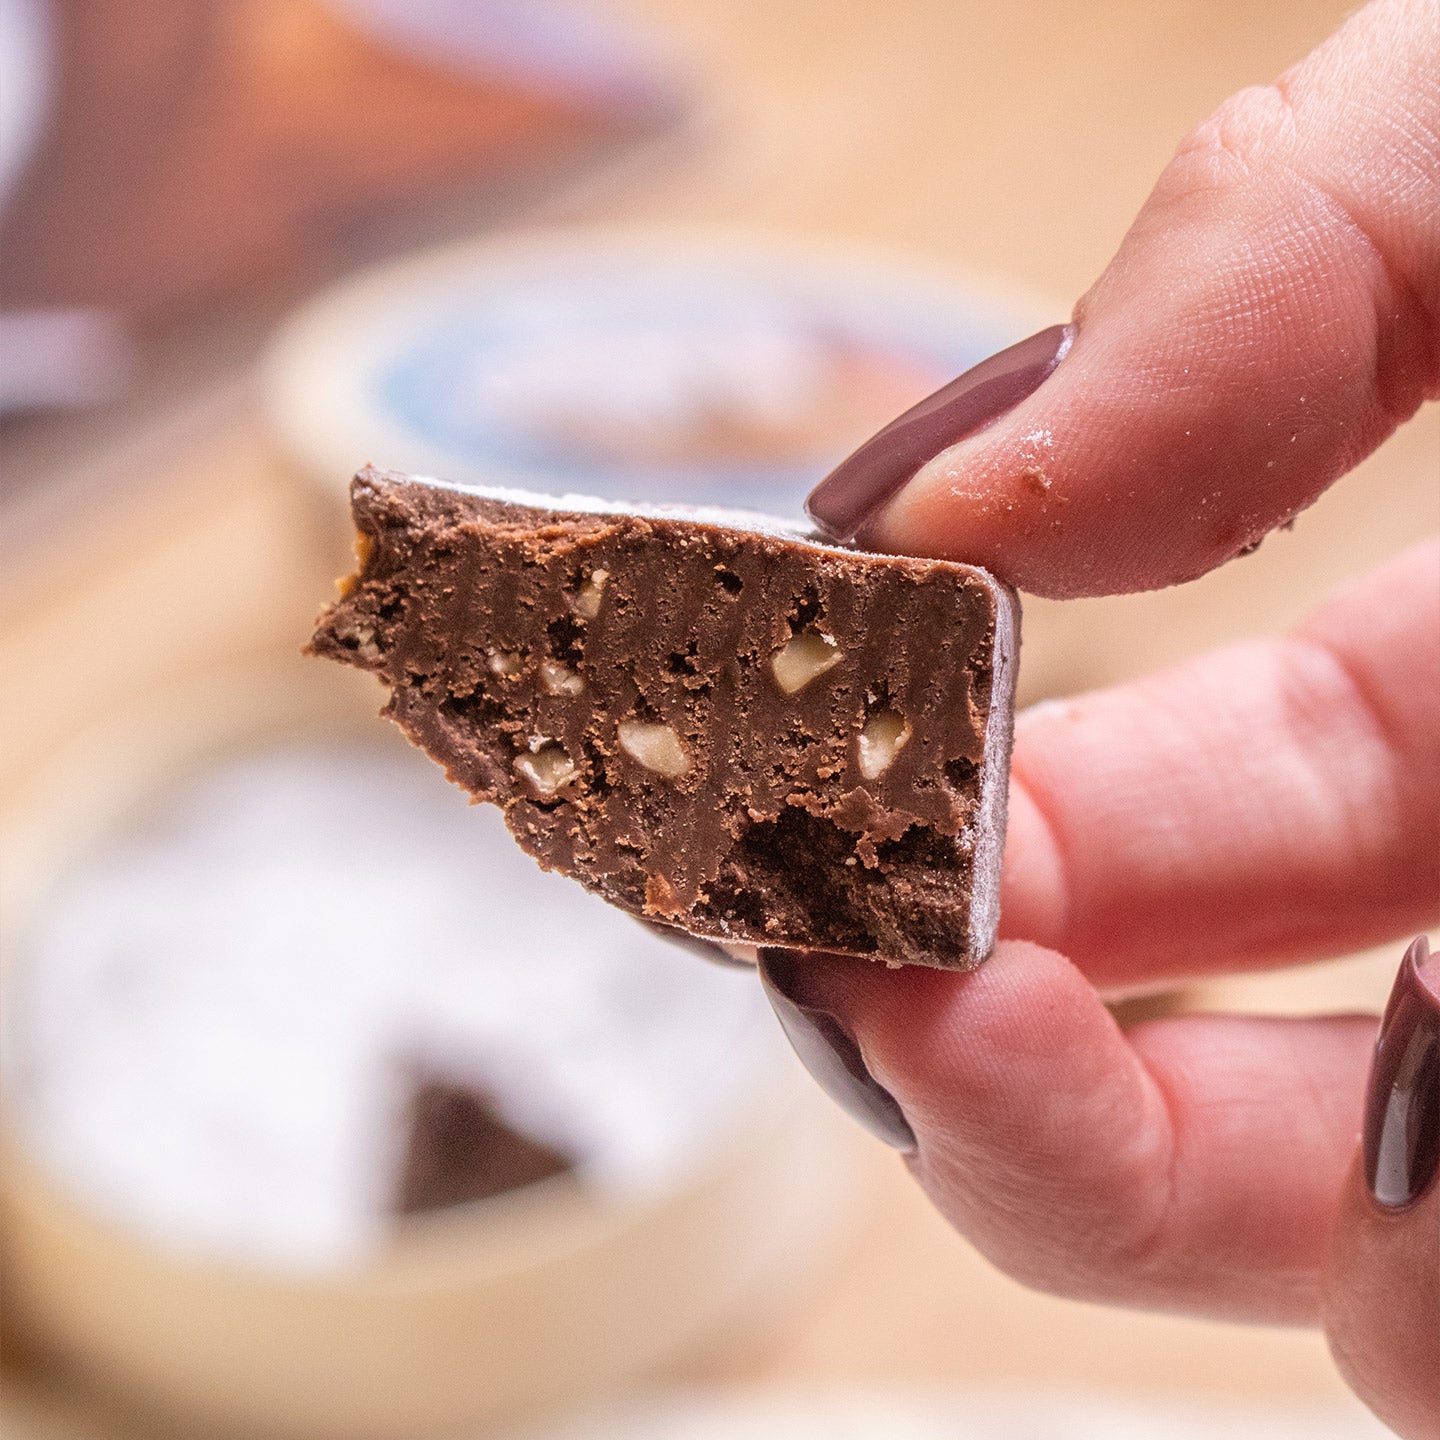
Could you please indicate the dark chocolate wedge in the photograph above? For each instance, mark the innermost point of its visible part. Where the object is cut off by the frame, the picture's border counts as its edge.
(706, 717)
(459, 1150)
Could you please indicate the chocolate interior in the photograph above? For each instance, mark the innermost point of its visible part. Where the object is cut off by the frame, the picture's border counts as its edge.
(749, 736)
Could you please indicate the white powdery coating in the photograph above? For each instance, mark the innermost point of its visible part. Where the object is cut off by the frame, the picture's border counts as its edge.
(751, 521)
(209, 1030)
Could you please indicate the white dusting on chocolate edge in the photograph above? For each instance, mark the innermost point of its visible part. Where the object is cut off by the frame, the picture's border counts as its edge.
(991, 812)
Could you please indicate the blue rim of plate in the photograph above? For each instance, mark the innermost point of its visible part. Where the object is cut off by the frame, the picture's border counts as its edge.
(393, 350)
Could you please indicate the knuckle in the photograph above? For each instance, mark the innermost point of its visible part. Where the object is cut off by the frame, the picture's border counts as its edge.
(1247, 133)
(1079, 1246)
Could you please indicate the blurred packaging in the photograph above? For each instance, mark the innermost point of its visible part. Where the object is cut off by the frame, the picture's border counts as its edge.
(181, 151)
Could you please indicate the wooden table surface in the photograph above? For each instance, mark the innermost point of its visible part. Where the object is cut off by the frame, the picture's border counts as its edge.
(1015, 140)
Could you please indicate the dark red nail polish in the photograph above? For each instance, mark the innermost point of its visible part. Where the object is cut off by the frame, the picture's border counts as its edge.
(830, 1055)
(1402, 1107)
(860, 485)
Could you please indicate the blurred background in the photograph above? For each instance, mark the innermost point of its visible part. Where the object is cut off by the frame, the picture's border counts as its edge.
(324, 1113)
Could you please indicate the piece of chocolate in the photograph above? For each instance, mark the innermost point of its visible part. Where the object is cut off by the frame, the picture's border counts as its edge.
(459, 1150)
(706, 717)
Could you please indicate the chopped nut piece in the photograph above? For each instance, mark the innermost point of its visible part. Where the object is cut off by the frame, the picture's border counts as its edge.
(882, 739)
(559, 679)
(506, 663)
(547, 769)
(656, 747)
(586, 600)
(660, 897)
(364, 553)
(365, 646)
(802, 658)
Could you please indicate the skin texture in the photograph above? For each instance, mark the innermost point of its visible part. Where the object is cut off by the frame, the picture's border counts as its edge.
(1271, 317)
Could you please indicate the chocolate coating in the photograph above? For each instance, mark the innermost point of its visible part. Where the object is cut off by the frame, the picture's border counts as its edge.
(616, 682)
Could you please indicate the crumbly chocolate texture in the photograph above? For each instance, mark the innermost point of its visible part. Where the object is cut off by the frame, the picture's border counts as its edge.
(725, 728)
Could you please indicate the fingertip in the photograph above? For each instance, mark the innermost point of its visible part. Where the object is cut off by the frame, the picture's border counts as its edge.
(1153, 455)
(843, 503)
(1268, 321)
(1034, 880)
(932, 1036)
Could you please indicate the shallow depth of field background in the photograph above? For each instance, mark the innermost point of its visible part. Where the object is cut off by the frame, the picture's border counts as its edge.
(185, 183)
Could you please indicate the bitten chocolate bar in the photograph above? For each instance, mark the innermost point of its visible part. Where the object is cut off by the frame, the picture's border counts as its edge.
(707, 717)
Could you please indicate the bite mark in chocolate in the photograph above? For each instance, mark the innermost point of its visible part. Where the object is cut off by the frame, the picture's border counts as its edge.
(709, 719)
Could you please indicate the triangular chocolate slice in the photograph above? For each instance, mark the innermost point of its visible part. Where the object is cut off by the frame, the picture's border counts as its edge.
(706, 717)
(458, 1150)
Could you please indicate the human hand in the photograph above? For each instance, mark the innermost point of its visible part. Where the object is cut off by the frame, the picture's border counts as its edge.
(1273, 314)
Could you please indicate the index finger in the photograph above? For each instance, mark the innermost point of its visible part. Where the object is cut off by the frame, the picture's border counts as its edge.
(1270, 318)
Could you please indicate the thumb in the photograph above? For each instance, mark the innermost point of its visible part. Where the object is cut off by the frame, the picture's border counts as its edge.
(1382, 1304)
(1272, 315)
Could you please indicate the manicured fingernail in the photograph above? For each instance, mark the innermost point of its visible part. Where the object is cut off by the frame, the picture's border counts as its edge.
(852, 492)
(1402, 1108)
(829, 1054)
